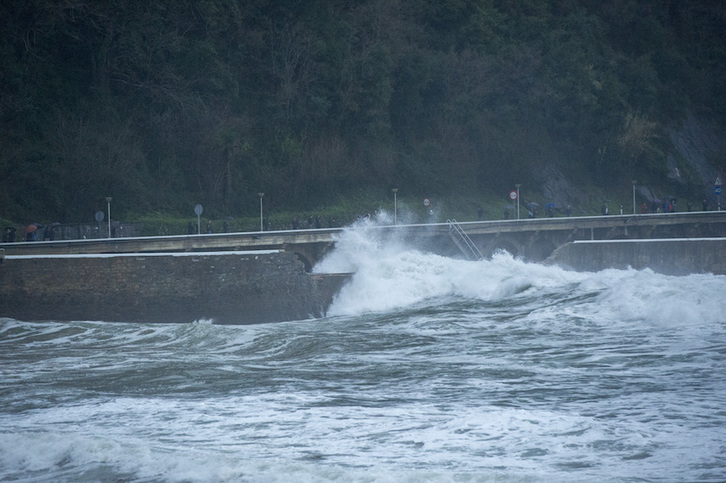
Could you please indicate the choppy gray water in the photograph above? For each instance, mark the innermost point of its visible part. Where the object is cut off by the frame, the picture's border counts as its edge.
(426, 369)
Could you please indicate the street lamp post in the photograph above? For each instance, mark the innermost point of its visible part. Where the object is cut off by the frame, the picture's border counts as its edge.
(108, 205)
(395, 206)
(517, 186)
(634, 183)
(261, 225)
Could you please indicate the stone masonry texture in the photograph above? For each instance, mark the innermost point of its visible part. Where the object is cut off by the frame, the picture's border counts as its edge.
(230, 288)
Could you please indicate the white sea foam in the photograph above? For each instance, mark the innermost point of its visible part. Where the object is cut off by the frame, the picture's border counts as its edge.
(389, 275)
(219, 440)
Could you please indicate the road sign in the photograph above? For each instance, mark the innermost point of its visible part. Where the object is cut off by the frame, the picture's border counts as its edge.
(512, 195)
(99, 216)
(427, 202)
(717, 189)
(198, 211)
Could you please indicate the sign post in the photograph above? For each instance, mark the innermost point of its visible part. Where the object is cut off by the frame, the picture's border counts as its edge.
(198, 210)
(513, 196)
(427, 204)
(517, 195)
(99, 219)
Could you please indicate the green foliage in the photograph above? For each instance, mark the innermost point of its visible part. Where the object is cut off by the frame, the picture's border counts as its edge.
(162, 105)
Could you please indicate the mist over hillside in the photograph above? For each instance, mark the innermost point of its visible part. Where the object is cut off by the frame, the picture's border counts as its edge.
(163, 104)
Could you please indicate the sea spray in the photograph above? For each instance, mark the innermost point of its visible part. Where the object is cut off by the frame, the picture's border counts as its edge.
(390, 275)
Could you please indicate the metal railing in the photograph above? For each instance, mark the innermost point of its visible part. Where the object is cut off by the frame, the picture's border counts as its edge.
(462, 240)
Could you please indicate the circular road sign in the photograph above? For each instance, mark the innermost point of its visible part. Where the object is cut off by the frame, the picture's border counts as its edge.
(427, 202)
(99, 216)
(512, 195)
(198, 210)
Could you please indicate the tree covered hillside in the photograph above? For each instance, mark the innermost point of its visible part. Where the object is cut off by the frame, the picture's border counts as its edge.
(164, 104)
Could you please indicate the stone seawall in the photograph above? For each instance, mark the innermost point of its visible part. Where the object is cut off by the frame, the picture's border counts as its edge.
(677, 256)
(227, 287)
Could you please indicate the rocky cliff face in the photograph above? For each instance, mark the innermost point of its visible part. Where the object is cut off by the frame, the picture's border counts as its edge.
(695, 155)
(700, 148)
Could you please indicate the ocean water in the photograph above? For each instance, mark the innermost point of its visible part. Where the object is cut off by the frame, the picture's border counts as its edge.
(425, 369)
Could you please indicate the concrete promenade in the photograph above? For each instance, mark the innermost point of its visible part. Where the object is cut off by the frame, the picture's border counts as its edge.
(533, 239)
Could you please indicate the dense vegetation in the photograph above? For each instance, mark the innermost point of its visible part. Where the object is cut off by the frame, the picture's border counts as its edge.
(165, 104)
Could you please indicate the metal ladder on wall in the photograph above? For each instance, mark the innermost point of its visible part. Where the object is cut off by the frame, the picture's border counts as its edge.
(462, 240)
